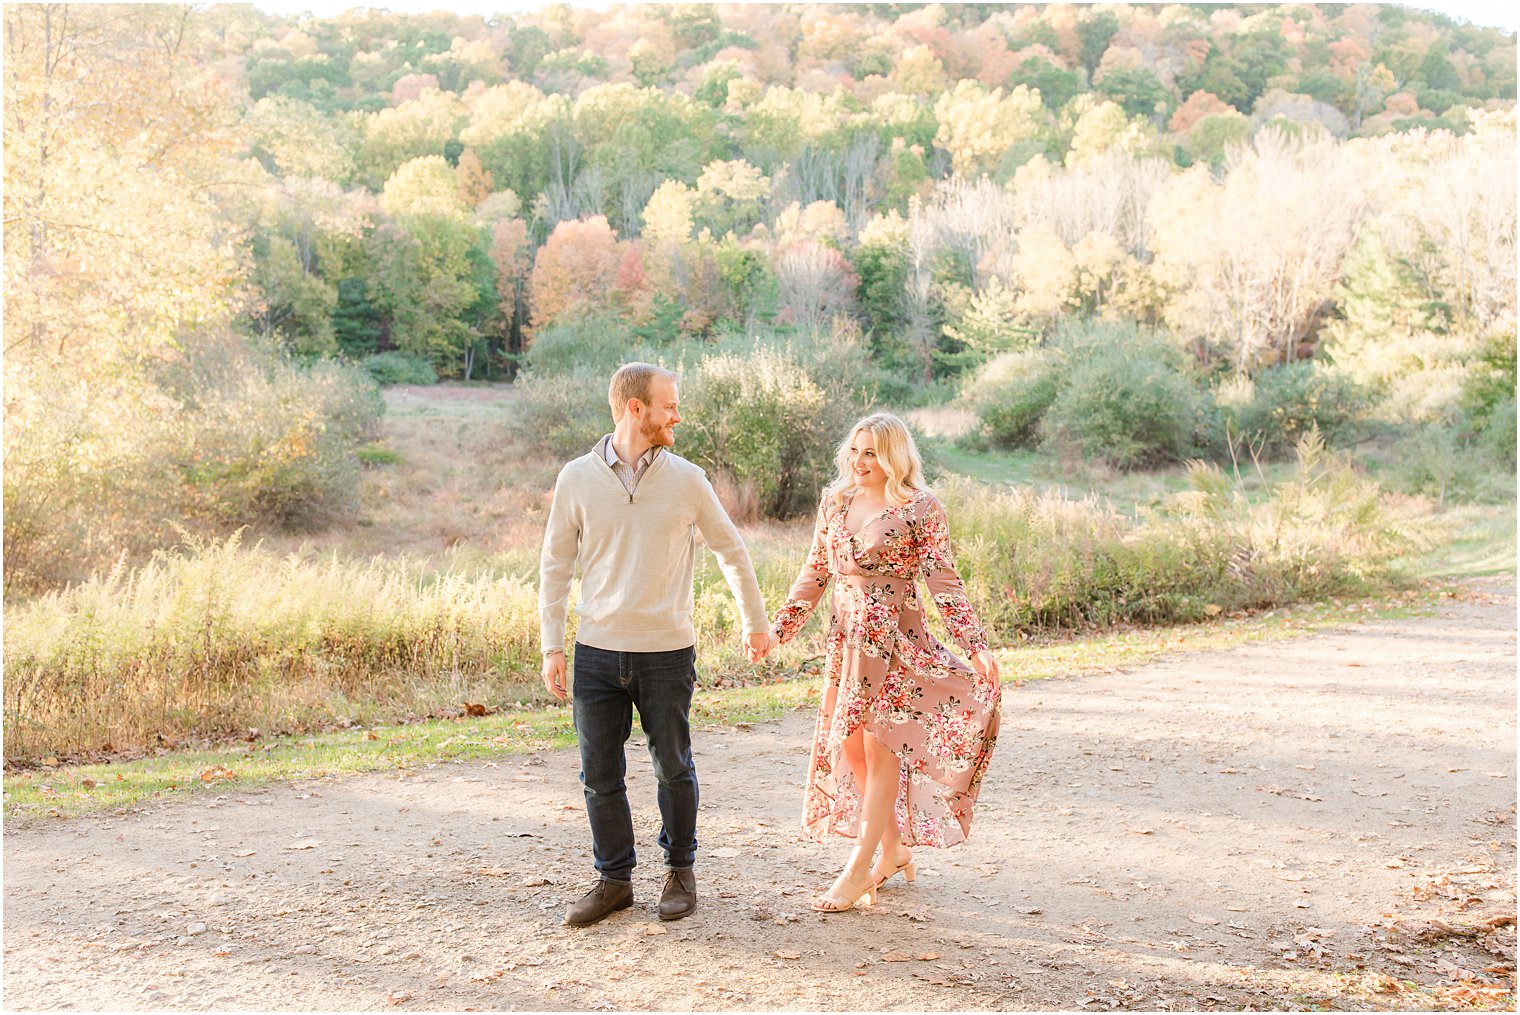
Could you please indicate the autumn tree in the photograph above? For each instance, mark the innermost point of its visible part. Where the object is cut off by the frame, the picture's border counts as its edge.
(472, 179)
(575, 271)
(979, 127)
(815, 284)
(1250, 260)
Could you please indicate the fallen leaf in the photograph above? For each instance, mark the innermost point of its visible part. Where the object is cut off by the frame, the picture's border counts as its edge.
(493, 872)
(654, 930)
(303, 845)
(788, 955)
(1207, 921)
(216, 773)
(475, 710)
(1139, 831)
(725, 852)
(928, 956)
(896, 957)
(244, 853)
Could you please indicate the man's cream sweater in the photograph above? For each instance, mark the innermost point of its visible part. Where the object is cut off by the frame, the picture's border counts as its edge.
(635, 553)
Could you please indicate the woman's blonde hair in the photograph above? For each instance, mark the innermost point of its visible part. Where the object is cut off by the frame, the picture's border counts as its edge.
(895, 451)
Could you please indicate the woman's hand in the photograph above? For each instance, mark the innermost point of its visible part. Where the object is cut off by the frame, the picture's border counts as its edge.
(759, 646)
(985, 665)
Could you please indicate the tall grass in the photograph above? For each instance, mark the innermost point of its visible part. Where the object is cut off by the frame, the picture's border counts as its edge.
(1039, 561)
(220, 637)
(227, 434)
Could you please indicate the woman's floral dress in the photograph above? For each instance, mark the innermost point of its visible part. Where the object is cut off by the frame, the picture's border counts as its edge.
(886, 672)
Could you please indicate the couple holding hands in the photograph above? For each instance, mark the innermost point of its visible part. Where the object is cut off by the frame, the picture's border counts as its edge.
(905, 728)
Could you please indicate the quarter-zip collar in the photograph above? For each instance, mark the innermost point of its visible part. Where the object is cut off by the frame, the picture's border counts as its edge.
(603, 449)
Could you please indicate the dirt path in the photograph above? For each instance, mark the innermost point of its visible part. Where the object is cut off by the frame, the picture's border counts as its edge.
(1324, 822)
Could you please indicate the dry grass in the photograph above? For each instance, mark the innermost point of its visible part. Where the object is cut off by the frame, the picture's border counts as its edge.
(429, 600)
(463, 484)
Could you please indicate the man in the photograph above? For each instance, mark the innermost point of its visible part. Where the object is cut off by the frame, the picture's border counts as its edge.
(627, 511)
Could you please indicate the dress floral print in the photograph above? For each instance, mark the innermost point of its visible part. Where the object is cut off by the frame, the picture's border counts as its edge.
(885, 671)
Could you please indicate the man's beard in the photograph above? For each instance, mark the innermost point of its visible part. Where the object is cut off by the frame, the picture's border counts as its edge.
(655, 435)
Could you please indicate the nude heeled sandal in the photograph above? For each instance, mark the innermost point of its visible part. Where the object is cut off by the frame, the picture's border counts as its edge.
(908, 870)
(825, 904)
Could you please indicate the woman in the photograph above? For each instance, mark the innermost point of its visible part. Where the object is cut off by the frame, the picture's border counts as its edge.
(905, 729)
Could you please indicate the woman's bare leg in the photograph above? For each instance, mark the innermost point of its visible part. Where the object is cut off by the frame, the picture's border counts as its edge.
(877, 798)
(894, 855)
(854, 749)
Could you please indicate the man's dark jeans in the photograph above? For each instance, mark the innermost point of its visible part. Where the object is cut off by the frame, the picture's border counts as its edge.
(607, 687)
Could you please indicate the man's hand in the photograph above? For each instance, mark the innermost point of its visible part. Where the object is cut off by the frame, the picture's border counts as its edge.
(758, 645)
(553, 673)
(985, 665)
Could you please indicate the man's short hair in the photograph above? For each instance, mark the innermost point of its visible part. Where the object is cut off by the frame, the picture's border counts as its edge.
(632, 381)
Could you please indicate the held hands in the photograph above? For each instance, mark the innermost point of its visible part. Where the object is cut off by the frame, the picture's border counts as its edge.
(757, 646)
(985, 665)
(553, 673)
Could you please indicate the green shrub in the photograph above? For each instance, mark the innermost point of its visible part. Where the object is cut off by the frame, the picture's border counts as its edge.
(1291, 400)
(399, 368)
(564, 413)
(1128, 409)
(375, 455)
(1455, 462)
(1497, 437)
(589, 344)
(1012, 392)
(1491, 385)
(759, 420)
(280, 445)
(761, 415)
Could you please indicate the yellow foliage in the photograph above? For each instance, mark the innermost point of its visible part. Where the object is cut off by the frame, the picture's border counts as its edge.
(423, 186)
(667, 216)
(978, 127)
(1045, 271)
(918, 72)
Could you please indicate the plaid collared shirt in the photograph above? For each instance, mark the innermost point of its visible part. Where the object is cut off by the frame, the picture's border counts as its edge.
(629, 474)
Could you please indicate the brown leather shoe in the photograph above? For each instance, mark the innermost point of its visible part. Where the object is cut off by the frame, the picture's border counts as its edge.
(680, 895)
(604, 899)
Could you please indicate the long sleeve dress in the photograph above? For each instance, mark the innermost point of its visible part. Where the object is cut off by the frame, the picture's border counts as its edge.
(886, 672)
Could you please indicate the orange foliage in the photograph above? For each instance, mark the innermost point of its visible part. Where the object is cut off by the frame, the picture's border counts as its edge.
(632, 288)
(1346, 56)
(984, 52)
(411, 86)
(510, 253)
(475, 183)
(1198, 105)
(576, 269)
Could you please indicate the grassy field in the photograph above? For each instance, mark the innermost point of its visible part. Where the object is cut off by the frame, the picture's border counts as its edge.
(453, 510)
(66, 790)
